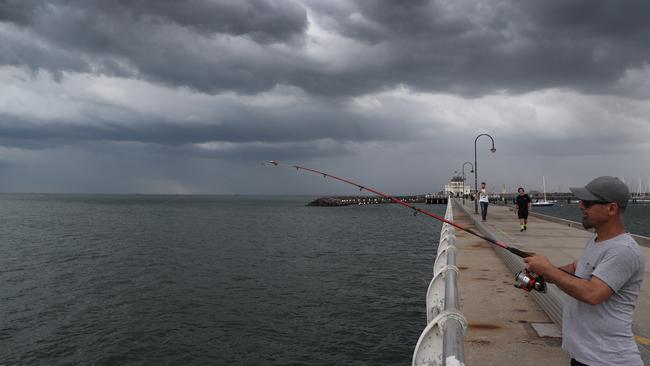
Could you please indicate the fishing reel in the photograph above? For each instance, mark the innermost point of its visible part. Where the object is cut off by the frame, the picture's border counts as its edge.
(527, 280)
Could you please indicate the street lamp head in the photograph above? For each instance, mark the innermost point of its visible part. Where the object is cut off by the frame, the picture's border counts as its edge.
(471, 171)
(493, 150)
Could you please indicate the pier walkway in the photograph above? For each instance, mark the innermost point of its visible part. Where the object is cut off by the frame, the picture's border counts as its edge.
(506, 326)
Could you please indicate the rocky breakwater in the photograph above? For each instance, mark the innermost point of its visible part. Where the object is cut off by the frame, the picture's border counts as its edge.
(362, 200)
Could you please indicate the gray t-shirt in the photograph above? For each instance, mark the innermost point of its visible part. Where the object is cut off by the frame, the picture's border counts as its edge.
(602, 334)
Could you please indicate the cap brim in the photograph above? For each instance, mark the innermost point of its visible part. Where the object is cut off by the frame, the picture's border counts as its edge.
(583, 194)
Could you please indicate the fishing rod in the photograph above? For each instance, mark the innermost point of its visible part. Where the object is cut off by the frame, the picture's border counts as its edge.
(511, 249)
(525, 279)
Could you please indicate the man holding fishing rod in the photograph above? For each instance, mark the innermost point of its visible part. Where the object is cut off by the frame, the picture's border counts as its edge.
(603, 284)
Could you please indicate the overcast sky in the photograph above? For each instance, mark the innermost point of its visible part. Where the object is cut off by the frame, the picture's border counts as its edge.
(168, 96)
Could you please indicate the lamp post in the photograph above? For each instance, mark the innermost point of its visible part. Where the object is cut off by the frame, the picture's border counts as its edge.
(471, 171)
(493, 150)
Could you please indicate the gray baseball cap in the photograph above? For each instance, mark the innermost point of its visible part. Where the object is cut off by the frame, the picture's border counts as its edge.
(607, 189)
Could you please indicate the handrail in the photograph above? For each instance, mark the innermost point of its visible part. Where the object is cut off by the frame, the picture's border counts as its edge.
(441, 342)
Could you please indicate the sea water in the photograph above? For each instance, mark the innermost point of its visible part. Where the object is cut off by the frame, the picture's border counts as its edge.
(636, 217)
(195, 280)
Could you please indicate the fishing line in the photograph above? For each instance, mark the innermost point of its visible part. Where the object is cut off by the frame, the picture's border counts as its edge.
(416, 210)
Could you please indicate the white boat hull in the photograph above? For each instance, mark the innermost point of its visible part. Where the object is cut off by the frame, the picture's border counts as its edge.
(538, 204)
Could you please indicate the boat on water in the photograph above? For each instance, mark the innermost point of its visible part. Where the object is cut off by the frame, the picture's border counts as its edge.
(640, 196)
(545, 202)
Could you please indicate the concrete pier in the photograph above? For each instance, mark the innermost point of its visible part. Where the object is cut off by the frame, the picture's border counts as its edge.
(500, 317)
(505, 318)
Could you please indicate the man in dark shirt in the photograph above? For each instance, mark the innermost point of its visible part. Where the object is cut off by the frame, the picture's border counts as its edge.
(522, 205)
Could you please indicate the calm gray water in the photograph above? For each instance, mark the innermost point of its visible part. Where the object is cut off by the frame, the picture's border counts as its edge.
(637, 216)
(155, 280)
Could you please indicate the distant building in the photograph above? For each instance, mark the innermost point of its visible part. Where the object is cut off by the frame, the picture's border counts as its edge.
(457, 186)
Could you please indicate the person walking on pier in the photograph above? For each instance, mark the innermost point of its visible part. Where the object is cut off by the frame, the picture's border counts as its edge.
(603, 284)
(483, 200)
(522, 205)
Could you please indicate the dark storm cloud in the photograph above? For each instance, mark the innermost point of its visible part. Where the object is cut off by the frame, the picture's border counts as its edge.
(179, 43)
(294, 151)
(262, 20)
(17, 11)
(473, 48)
(252, 134)
(462, 47)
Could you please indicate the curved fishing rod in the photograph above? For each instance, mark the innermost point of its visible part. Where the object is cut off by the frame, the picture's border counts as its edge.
(512, 250)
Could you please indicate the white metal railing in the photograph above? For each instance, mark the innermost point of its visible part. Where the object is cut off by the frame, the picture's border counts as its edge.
(441, 342)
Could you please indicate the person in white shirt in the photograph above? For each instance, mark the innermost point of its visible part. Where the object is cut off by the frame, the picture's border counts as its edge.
(483, 200)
